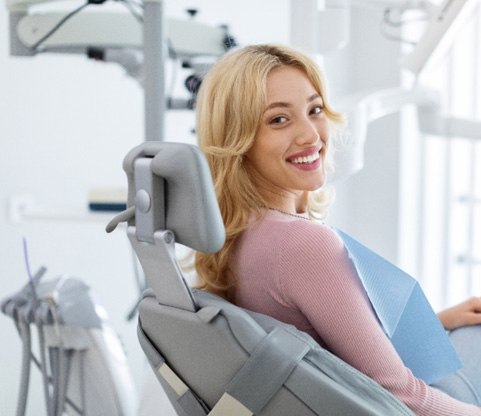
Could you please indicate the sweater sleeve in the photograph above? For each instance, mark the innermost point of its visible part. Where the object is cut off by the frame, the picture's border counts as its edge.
(317, 277)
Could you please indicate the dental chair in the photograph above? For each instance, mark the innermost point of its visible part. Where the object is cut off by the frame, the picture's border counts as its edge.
(210, 356)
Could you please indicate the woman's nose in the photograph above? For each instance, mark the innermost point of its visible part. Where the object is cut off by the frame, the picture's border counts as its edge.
(308, 133)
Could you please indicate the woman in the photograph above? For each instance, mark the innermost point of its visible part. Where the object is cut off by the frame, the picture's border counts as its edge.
(264, 124)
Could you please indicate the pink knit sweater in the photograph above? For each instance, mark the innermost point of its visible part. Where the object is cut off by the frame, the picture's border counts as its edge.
(298, 271)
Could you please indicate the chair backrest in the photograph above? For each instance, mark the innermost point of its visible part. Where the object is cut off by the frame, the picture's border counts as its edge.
(210, 356)
(170, 188)
(187, 205)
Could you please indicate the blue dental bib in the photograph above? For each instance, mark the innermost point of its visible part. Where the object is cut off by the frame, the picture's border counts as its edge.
(405, 314)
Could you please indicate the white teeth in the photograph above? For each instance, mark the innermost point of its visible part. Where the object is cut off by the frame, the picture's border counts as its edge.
(306, 159)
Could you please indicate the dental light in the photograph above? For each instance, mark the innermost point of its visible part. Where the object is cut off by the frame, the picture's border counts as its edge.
(136, 39)
(103, 27)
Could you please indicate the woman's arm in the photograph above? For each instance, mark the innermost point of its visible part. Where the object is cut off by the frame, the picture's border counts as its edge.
(321, 281)
(466, 313)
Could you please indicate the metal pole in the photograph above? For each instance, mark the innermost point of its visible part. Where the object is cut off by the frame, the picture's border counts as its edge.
(154, 60)
(446, 253)
(473, 166)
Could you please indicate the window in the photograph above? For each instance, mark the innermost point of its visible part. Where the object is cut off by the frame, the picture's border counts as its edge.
(441, 181)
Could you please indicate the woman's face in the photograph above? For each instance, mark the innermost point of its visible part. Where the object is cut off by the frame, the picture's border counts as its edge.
(290, 146)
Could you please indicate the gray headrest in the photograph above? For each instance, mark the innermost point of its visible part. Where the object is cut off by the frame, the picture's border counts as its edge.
(191, 209)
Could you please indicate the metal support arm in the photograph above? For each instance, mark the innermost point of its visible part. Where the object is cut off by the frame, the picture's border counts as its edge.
(361, 110)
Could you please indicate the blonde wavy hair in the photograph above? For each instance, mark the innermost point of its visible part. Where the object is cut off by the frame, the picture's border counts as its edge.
(230, 103)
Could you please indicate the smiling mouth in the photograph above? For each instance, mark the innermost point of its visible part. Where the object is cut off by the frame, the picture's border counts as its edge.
(306, 159)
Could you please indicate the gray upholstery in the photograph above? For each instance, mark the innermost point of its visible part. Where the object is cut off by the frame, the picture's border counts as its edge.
(209, 354)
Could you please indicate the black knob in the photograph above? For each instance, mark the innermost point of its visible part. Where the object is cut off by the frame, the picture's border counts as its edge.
(192, 12)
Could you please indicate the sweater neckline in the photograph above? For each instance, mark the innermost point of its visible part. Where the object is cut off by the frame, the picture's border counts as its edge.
(303, 216)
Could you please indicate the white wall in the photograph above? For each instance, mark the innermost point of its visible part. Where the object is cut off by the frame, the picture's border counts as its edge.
(367, 203)
(66, 123)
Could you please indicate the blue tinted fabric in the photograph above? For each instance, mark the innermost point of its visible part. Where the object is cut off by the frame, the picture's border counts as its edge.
(405, 314)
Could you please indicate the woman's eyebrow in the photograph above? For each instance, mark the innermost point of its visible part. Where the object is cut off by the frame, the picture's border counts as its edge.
(283, 104)
(313, 97)
(276, 104)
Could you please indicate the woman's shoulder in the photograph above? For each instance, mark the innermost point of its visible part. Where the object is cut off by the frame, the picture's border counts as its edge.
(296, 232)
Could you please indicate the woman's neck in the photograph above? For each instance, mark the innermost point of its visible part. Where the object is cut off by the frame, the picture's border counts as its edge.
(287, 200)
(293, 204)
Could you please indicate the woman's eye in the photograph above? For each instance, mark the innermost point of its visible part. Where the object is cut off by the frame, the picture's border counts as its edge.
(278, 120)
(317, 109)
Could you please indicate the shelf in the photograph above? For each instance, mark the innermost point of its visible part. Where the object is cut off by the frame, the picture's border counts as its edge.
(24, 208)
